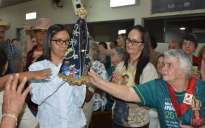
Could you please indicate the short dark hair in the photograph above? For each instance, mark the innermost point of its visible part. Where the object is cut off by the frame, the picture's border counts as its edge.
(4, 59)
(52, 30)
(115, 42)
(14, 40)
(153, 42)
(7, 40)
(190, 37)
(103, 43)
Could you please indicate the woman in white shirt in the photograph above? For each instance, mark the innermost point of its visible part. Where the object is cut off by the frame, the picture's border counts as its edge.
(59, 101)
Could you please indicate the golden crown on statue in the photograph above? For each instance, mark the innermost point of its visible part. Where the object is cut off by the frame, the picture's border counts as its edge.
(82, 12)
(195, 104)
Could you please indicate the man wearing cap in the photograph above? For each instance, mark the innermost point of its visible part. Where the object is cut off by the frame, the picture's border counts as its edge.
(36, 54)
(14, 52)
(25, 119)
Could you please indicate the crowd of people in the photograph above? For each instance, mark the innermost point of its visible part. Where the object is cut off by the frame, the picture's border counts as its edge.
(142, 87)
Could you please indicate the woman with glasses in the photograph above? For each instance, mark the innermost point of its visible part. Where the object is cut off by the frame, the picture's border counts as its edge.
(189, 44)
(59, 102)
(136, 69)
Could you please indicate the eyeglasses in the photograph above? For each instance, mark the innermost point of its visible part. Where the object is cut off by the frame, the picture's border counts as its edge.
(60, 42)
(112, 54)
(188, 43)
(134, 43)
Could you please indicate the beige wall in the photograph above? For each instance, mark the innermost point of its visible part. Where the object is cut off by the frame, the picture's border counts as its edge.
(99, 10)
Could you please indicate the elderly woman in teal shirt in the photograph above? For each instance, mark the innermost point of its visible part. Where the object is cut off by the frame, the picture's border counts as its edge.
(176, 96)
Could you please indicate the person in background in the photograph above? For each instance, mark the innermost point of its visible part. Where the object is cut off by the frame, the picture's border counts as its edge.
(33, 42)
(160, 65)
(138, 69)
(106, 62)
(14, 52)
(113, 44)
(173, 45)
(117, 56)
(36, 52)
(201, 53)
(153, 54)
(59, 102)
(121, 40)
(98, 101)
(8, 41)
(15, 41)
(189, 43)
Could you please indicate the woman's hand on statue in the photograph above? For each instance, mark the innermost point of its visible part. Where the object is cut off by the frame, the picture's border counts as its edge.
(196, 75)
(40, 75)
(94, 78)
(186, 126)
(118, 78)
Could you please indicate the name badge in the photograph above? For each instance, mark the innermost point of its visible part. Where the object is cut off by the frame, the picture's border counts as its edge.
(187, 98)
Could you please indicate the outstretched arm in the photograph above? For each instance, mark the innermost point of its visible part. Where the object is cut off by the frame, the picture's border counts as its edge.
(37, 75)
(120, 91)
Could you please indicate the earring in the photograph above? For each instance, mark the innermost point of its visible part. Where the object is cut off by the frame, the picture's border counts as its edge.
(182, 77)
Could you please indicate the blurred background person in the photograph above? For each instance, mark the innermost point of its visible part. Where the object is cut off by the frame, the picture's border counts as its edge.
(106, 61)
(152, 53)
(160, 65)
(201, 53)
(8, 41)
(121, 40)
(15, 41)
(117, 56)
(173, 45)
(113, 44)
(189, 43)
(99, 99)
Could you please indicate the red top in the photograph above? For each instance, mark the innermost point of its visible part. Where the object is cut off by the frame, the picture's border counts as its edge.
(197, 60)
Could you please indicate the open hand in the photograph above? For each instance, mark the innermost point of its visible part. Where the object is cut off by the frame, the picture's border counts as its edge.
(26, 26)
(40, 75)
(94, 78)
(14, 98)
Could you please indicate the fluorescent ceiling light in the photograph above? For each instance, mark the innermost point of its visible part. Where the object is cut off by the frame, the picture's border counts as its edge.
(182, 28)
(117, 3)
(30, 16)
(122, 31)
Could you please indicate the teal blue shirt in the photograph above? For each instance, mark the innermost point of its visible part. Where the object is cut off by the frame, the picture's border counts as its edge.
(155, 94)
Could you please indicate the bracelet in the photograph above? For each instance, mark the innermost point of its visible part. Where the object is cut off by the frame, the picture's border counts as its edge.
(10, 116)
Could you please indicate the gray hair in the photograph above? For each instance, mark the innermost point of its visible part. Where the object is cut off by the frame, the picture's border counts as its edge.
(95, 49)
(120, 52)
(183, 58)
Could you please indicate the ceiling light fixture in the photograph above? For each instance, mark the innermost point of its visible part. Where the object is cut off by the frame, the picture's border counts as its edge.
(30, 16)
(117, 3)
(182, 28)
(124, 31)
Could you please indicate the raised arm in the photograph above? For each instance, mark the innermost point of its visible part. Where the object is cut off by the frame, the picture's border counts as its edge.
(120, 91)
(29, 45)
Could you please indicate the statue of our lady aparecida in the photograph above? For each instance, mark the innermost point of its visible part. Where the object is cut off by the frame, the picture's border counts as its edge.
(76, 62)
